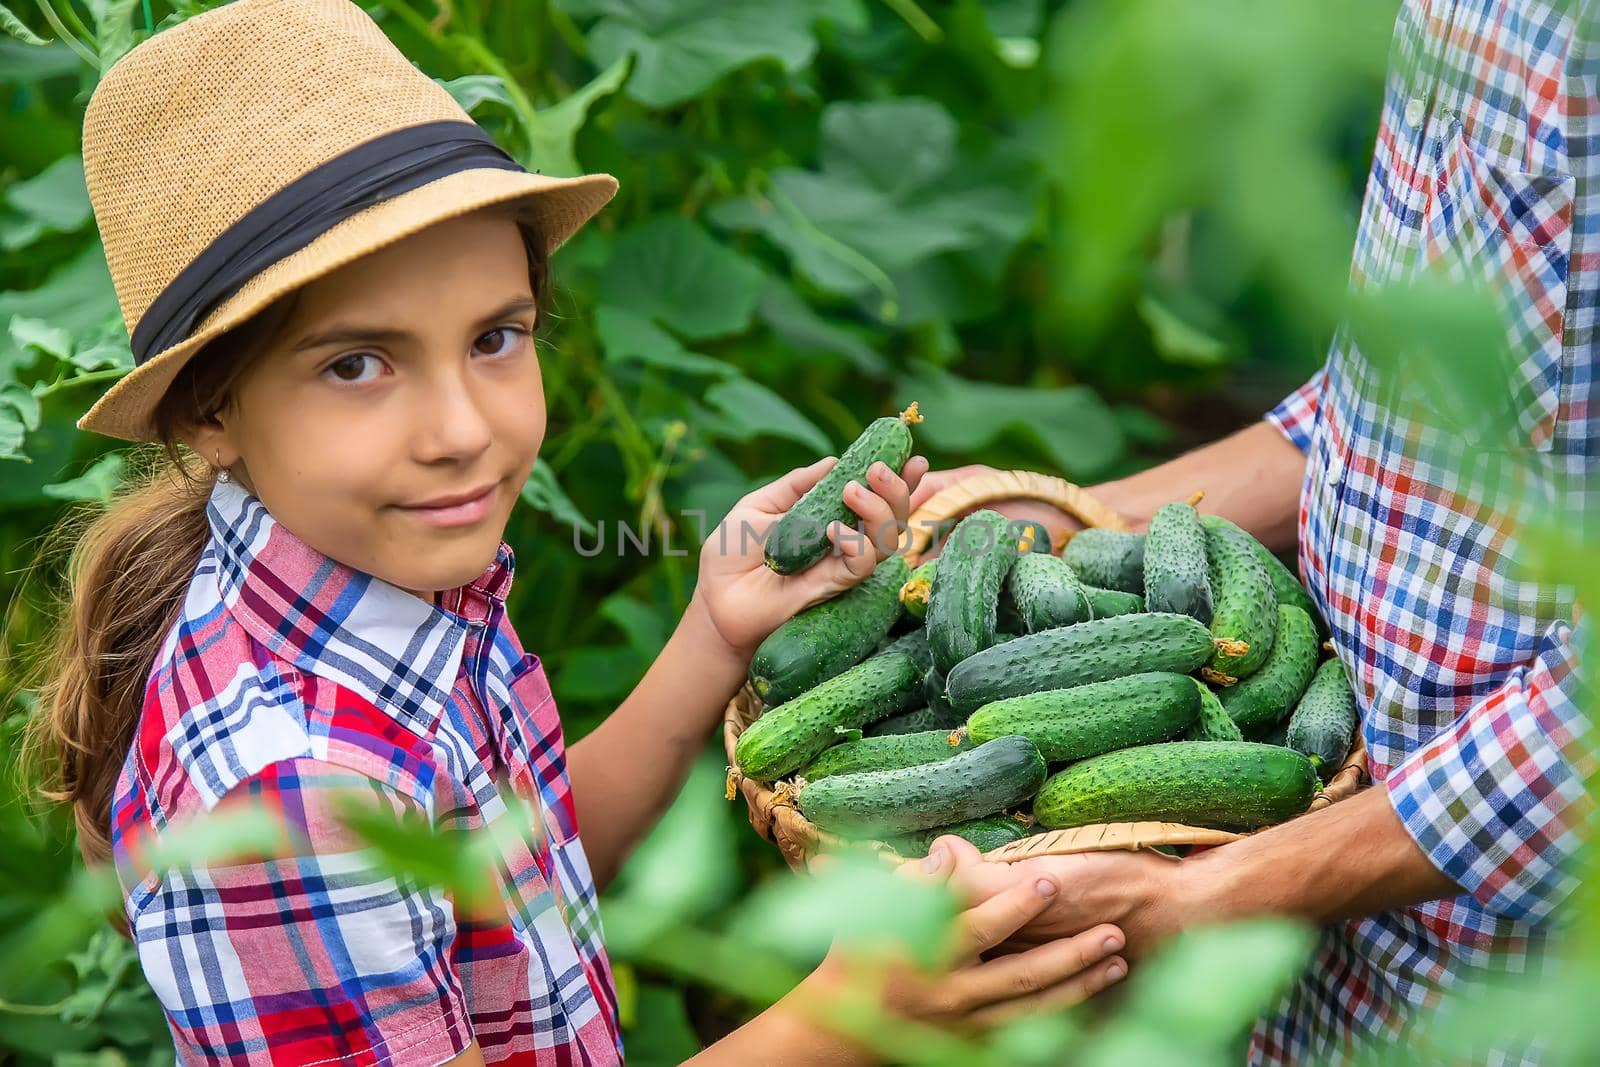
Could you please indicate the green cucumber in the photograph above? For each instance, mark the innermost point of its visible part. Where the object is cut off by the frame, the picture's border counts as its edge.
(885, 752)
(987, 833)
(1046, 593)
(1176, 575)
(1031, 536)
(1223, 784)
(917, 720)
(829, 637)
(1214, 723)
(1109, 559)
(1071, 724)
(913, 643)
(968, 785)
(1323, 725)
(914, 593)
(789, 736)
(1267, 695)
(1244, 614)
(1109, 602)
(1288, 589)
(1084, 652)
(800, 537)
(966, 593)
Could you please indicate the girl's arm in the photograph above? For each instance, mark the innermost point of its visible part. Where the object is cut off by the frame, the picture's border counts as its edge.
(627, 771)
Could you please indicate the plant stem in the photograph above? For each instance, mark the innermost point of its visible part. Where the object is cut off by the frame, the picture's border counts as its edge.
(920, 21)
(69, 15)
(870, 271)
(66, 37)
(109, 375)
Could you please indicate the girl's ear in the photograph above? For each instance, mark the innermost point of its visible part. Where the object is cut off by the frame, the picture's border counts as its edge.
(211, 441)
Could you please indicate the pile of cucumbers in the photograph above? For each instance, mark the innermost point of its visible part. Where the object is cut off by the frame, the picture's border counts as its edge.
(999, 690)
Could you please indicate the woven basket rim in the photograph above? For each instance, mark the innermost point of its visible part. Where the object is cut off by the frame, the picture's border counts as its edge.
(771, 806)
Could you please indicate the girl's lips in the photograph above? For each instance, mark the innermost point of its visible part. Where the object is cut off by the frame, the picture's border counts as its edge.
(459, 511)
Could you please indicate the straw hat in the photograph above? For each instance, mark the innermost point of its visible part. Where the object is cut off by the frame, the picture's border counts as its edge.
(260, 146)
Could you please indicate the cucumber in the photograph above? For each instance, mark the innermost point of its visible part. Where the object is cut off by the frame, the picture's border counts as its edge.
(914, 593)
(1046, 593)
(968, 785)
(1070, 724)
(913, 643)
(1267, 695)
(1214, 723)
(1287, 588)
(1224, 784)
(800, 537)
(789, 736)
(917, 720)
(1274, 735)
(989, 832)
(885, 752)
(1176, 575)
(1109, 602)
(829, 637)
(1031, 536)
(1323, 726)
(972, 568)
(1084, 652)
(1109, 559)
(1244, 614)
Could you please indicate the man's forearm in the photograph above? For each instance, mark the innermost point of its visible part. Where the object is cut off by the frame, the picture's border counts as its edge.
(1252, 477)
(1354, 858)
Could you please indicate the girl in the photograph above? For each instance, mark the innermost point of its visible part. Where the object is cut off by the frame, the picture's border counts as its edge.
(332, 279)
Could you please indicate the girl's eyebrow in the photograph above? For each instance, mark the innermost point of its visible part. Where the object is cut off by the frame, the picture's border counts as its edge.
(347, 334)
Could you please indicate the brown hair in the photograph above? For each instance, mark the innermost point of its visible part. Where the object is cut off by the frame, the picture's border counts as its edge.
(130, 567)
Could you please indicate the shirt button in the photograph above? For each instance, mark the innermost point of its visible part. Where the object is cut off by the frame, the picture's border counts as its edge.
(1416, 108)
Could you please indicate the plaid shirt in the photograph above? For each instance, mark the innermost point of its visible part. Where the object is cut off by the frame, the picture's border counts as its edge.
(287, 680)
(1486, 167)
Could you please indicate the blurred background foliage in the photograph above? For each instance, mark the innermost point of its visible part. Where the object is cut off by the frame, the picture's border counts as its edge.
(1084, 236)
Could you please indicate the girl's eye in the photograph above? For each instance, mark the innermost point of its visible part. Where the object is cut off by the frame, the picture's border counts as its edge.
(356, 367)
(500, 341)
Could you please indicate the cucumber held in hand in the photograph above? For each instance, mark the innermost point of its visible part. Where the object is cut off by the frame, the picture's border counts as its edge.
(1229, 785)
(1214, 723)
(1046, 593)
(1084, 652)
(1244, 616)
(1176, 574)
(789, 736)
(1323, 725)
(968, 785)
(987, 833)
(884, 752)
(966, 592)
(800, 537)
(1109, 602)
(1071, 724)
(914, 593)
(1109, 559)
(829, 637)
(1267, 695)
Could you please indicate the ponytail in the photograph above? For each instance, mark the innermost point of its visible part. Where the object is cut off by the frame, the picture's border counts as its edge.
(129, 572)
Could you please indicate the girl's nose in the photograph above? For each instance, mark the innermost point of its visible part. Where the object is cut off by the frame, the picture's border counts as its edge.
(451, 422)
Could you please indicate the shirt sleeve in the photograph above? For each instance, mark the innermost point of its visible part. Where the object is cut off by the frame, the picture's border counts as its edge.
(1296, 414)
(1497, 800)
(319, 956)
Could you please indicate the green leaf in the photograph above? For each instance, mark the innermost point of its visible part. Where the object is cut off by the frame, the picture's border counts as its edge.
(670, 270)
(630, 338)
(19, 416)
(96, 483)
(543, 492)
(472, 91)
(78, 297)
(682, 47)
(37, 334)
(1179, 340)
(15, 27)
(751, 410)
(550, 140)
(53, 201)
(113, 28)
(661, 1034)
(798, 325)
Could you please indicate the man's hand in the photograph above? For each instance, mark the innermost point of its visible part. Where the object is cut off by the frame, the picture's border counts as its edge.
(1058, 522)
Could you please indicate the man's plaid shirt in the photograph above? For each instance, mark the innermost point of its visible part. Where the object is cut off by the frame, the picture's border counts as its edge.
(290, 683)
(1487, 167)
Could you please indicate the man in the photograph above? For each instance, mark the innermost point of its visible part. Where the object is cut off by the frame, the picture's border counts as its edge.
(1409, 530)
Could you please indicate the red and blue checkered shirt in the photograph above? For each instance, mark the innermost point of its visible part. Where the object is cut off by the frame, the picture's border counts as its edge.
(1487, 167)
(287, 681)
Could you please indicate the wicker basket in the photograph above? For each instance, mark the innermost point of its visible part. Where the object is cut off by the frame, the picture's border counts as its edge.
(772, 810)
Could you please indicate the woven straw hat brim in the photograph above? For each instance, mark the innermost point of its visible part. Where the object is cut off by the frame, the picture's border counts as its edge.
(556, 207)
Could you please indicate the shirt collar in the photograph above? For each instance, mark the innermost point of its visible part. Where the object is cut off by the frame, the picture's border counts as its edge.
(399, 652)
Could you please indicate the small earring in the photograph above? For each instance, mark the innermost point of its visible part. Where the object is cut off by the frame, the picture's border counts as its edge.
(222, 472)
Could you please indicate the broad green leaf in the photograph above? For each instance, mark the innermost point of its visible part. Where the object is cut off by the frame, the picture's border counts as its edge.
(113, 28)
(628, 338)
(646, 630)
(670, 270)
(53, 201)
(751, 410)
(96, 483)
(78, 297)
(53, 341)
(472, 91)
(1178, 339)
(798, 325)
(15, 27)
(554, 129)
(543, 493)
(892, 146)
(19, 416)
(681, 47)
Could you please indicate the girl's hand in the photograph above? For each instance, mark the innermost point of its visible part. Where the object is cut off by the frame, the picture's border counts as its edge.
(745, 601)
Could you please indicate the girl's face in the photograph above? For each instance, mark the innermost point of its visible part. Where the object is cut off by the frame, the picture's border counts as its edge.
(398, 413)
